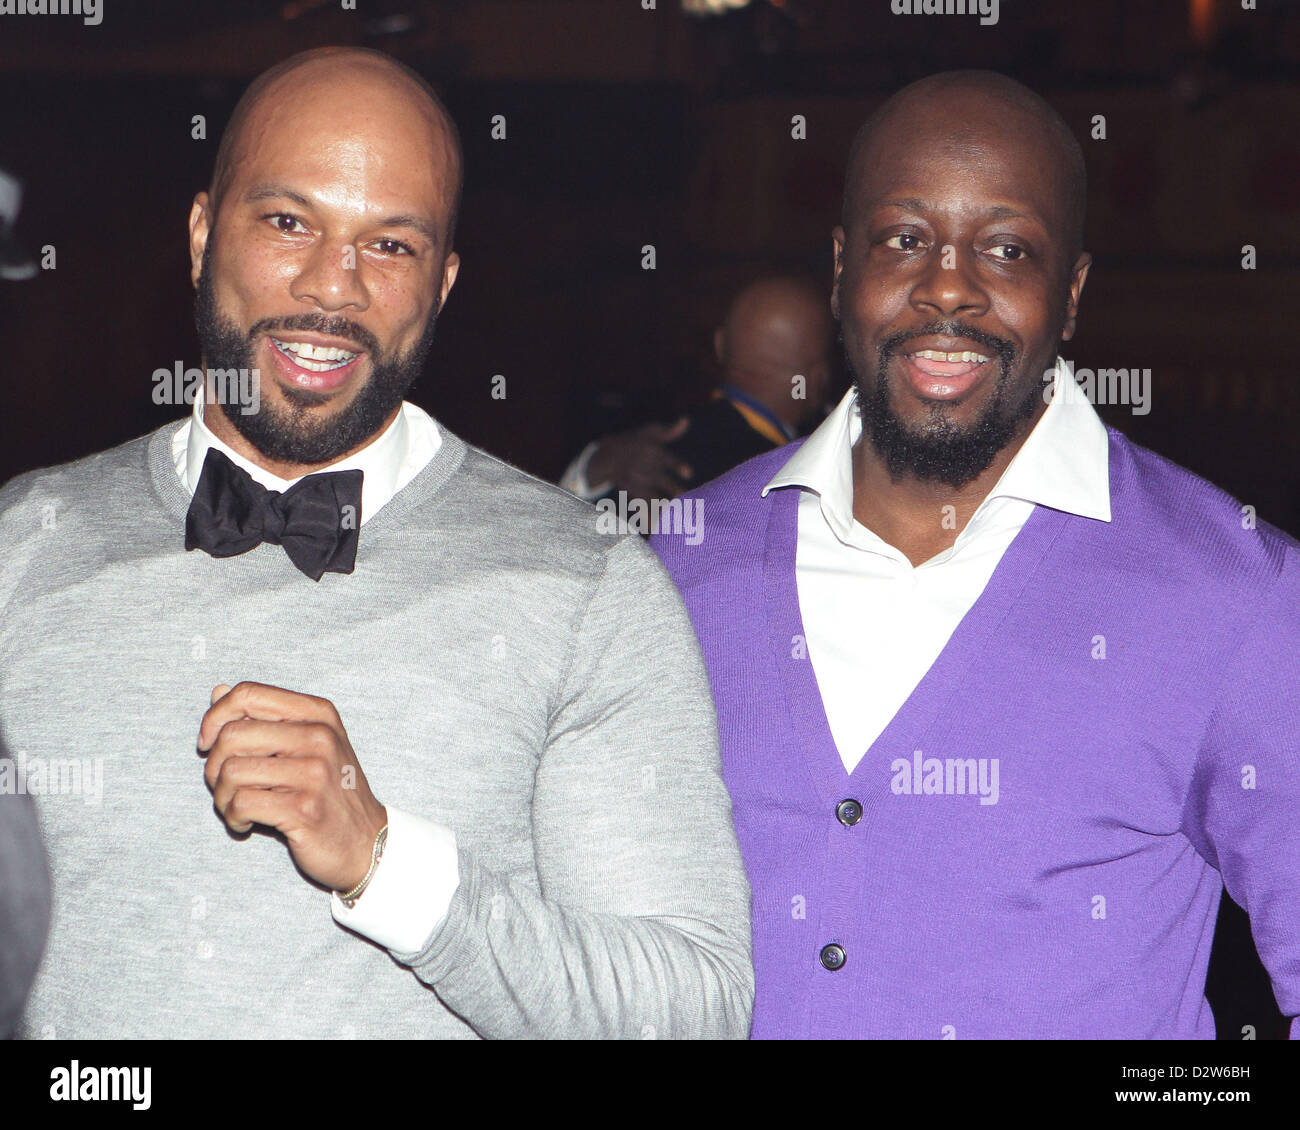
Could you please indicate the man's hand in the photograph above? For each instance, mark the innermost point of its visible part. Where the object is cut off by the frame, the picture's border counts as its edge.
(640, 463)
(283, 759)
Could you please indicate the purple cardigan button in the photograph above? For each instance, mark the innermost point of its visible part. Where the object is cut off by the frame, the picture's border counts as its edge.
(833, 957)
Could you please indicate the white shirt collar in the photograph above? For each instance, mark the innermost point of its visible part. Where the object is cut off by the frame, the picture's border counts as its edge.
(1063, 464)
(388, 462)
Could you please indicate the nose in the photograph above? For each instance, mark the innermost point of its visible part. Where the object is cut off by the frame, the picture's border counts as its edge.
(948, 286)
(329, 278)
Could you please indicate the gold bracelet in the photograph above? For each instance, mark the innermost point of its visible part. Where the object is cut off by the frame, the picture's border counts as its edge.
(350, 899)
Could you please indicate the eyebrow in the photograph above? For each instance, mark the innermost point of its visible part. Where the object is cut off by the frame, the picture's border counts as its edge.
(997, 212)
(283, 192)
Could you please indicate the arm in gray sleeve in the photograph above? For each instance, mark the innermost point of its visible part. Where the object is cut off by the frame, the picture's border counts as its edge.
(641, 928)
(24, 902)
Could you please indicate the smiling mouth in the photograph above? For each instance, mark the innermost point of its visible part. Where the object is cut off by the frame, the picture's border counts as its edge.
(937, 363)
(936, 374)
(315, 358)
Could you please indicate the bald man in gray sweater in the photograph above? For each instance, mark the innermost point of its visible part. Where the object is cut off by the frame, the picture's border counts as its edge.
(306, 653)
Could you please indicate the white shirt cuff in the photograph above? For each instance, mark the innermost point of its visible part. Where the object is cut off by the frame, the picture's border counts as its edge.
(412, 887)
(574, 479)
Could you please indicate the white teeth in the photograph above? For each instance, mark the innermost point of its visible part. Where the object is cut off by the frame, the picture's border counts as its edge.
(312, 356)
(320, 366)
(939, 355)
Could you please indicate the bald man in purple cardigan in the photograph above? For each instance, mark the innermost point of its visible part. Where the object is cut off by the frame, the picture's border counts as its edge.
(1005, 700)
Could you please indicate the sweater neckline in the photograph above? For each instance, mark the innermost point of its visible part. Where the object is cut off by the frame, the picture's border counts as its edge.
(426, 484)
(930, 698)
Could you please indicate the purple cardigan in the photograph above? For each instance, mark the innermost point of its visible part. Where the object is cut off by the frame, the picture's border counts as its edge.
(1135, 774)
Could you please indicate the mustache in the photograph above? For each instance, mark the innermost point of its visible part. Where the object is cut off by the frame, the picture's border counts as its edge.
(335, 326)
(1004, 349)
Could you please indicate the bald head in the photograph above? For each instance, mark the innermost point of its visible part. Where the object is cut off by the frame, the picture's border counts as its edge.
(778, 328)
(368, 83)
(971, 107)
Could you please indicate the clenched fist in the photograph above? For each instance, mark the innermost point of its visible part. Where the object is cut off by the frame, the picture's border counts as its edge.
(283, 759)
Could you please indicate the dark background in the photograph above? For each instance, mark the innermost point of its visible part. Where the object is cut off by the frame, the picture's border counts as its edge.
(628, 127)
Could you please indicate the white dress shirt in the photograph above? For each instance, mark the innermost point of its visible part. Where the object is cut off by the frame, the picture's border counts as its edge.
(873, 623)
(412, 887)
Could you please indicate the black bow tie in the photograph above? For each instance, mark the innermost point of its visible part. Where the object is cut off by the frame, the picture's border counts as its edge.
(316, 519)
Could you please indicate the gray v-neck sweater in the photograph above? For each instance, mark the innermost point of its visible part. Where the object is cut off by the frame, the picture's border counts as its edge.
(502, 667)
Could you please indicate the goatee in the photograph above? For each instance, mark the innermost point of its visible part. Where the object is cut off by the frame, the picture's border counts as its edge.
(940, 450)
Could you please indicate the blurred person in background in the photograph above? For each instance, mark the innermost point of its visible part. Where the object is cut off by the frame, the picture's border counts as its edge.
(774, 351)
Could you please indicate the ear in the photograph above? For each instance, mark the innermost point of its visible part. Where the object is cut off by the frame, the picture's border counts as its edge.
(450, 269)
(1078, 276)
(837, 249)
(200, 228)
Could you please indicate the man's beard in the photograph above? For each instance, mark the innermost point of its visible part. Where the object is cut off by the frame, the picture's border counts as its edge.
(940, 451)
(296, 434)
